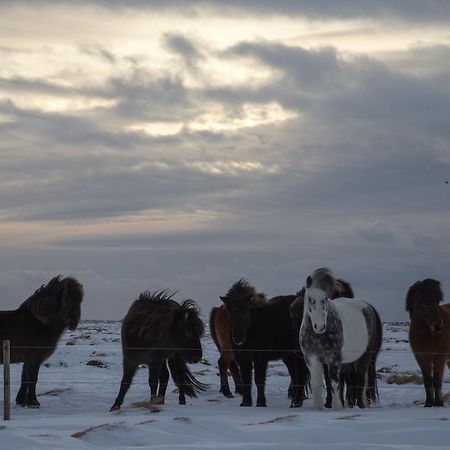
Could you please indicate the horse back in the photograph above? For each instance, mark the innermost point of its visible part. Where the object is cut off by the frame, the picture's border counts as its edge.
(355, 330)
(28, 337)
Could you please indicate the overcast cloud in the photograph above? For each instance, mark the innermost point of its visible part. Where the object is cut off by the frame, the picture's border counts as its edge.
(185, 148)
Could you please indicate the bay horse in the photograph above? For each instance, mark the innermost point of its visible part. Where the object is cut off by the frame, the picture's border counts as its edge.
(34, 329)
(337, 332)
(261, 331)
(158, 331)
(220, 333)
(429, 335)
(337, 289)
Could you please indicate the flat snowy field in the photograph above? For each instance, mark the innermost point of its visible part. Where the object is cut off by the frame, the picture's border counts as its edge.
(75, 400)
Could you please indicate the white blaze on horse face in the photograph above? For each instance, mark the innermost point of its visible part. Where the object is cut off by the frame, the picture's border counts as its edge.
(317, 308)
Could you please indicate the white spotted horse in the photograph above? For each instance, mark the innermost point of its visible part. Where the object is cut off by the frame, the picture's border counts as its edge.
(337, 332)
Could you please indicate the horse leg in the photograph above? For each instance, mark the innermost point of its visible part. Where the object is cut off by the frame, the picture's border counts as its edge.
(245, 366)
(426, 368)
(438, 372)
(260, 381)
(334, 368)
(236, 374)
(223, 372)
(154, 369)
(296, 390)
(32, 377)
(328, 384)
(129, 369)
(316, 369)
(163, 381)
(21, 398)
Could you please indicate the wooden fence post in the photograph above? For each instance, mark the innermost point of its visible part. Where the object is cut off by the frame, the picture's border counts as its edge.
(6, 381)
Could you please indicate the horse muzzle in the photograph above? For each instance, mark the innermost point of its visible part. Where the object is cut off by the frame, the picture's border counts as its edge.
(437, 330)
(319, 330)
(239, 342)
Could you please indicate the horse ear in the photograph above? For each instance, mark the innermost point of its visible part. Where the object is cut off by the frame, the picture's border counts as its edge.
(309, 282)
(224, 298)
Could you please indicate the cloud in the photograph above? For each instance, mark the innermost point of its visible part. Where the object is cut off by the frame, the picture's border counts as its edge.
(413, 10)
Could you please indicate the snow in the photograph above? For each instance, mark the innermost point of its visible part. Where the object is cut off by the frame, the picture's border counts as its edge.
(76, 397)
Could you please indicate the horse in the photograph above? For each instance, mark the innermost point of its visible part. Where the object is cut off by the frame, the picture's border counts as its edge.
(219, 329)
(34, 329)
(261, 331)
(429, 335)
(340, 288)
(158, 331)
(337, 332)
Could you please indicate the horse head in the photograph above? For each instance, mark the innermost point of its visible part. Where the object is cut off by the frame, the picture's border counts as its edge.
(422, 303)
(72, 294)
(316, 305)
(187, 330)
(239, 301)
(58, 301)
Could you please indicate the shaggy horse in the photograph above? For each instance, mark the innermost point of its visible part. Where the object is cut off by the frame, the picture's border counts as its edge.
(220, 333)
(35, 327)
(429, 335)
(261, 331)
(340, 288)
(336, 332)
(156, 330)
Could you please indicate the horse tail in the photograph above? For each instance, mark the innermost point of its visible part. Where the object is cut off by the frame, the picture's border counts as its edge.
(212, 326)
(183, 377)
(372, 386)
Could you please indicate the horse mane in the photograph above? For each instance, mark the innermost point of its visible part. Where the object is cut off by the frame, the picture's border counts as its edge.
(430, 292)
(242, 288)
(43, 304)
(323, 279)
(153, 315)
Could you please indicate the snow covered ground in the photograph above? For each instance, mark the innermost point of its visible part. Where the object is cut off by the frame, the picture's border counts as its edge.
(76, 396)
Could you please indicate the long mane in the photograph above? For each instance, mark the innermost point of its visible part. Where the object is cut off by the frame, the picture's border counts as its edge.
(153, 315)
(426, 291)
(243, 289)
(43, 304)
(324, 279)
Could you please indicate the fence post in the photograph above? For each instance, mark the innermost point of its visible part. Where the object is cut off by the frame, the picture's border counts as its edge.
(6, 381)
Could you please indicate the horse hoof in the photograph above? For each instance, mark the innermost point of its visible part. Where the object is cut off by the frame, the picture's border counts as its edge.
(230, 395)
(114, 407)
(34, 405)
(439, 403)
(261, 405)
(327, 405)
(246, 404)
(296, 405)
(157, 400)
(428, 405)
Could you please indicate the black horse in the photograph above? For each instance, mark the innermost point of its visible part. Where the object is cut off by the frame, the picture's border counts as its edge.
(35, 328)
(157, 330)
(261, 331)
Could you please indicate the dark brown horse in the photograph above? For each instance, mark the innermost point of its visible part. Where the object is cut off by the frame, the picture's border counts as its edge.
(157, 330)
(429, 335)
(35, 327)
(261, 330)
(220, 333)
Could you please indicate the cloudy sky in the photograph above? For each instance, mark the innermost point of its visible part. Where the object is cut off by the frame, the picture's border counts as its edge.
(150, 145)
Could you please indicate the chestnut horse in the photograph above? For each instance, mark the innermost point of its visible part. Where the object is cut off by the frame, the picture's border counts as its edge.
(220, 333)
(429, 335)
